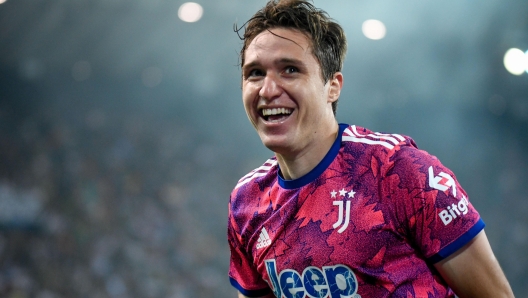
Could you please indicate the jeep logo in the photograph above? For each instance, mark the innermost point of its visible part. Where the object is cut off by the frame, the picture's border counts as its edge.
(331, 282)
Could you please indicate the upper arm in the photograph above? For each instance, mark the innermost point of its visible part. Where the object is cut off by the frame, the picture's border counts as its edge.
(473, 271)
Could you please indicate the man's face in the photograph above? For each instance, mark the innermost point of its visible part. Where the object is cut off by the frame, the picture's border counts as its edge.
(283, 91)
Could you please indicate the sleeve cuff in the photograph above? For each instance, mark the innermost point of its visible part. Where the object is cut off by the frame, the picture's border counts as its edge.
(458, 243)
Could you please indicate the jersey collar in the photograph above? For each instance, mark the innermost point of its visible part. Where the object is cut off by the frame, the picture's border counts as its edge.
(319, 169)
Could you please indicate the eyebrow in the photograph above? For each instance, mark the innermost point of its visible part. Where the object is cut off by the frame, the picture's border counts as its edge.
(293, 61)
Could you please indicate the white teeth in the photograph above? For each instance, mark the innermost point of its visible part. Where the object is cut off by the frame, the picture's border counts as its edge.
(276, 111)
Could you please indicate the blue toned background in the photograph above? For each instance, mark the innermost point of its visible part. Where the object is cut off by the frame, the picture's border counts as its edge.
(122, 132)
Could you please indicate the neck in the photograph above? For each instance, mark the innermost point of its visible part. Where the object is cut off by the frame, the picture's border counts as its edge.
(298, 164)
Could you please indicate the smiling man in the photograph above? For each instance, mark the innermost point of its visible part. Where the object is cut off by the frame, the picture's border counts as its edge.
(341, 211)
(287, 100)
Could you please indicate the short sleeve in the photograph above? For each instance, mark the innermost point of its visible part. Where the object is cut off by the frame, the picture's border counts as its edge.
(432, 209)
(242, 273)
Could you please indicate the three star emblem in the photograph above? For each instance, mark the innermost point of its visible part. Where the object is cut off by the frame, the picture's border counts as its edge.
(343, 193)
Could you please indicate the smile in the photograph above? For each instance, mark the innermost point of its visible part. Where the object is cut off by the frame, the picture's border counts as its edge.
(276, 114)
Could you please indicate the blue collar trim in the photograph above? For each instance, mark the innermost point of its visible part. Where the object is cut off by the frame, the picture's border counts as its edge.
(319, 169)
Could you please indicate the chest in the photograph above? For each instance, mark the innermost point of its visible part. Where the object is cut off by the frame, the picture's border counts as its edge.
(335, 232)
(334, 221)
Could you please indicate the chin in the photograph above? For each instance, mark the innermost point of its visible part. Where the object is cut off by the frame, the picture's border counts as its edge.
(276, 144)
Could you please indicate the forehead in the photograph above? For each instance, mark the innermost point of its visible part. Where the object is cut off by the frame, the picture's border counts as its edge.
(278, 41)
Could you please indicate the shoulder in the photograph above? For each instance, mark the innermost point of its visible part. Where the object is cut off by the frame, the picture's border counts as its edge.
(256, 181)
(387, 153)
(249, 201)
(265, 169)
(375, 140)
(376, 147)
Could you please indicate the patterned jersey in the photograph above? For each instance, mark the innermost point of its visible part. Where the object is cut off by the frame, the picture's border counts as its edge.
(369, 220)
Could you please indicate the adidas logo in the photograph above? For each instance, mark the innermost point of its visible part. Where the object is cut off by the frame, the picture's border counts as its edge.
(264, 239)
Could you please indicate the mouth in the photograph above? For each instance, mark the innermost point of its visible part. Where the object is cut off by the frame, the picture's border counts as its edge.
(275, 115)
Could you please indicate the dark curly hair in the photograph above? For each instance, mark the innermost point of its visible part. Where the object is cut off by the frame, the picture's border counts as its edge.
(327, 38)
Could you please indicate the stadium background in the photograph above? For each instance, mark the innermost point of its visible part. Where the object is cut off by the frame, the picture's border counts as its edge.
(122, 132)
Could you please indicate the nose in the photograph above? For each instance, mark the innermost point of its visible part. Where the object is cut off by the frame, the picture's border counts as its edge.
(270, 88)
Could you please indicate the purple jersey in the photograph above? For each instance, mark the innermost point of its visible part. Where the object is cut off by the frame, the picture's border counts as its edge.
(369, 220)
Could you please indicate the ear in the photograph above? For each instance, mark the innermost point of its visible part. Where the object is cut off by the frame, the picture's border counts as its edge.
(335, 84)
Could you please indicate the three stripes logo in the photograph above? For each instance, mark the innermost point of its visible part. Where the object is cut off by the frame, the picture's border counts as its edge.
(264, 239)
(388, 141)
(258, 172)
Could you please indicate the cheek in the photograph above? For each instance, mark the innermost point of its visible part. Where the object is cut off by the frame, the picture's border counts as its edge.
(250, 93)
(248, 109)
(248, 100)
(248, 106)
(246, 95)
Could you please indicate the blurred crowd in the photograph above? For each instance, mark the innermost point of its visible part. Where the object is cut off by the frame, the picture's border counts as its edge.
(101, 202)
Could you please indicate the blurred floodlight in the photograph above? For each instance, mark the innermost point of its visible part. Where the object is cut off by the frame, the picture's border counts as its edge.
(374, 29)
(152, 76)
(81, 71)
(516, 61)
(2, 1)
(526, 60)
(190, 12)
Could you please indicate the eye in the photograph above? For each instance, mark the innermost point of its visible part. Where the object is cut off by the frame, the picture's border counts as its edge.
(254, 73)
(291, 69)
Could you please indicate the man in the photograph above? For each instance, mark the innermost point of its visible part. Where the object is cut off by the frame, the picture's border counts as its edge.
(341, 211)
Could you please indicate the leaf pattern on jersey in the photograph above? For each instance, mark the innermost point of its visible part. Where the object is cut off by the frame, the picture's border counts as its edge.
(377, 260)
(264, 196)
(316, 248)
(365, 216)
(263, 204)
(366, 212)
(374, 166)
(247, 222)
(314, 202)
